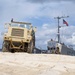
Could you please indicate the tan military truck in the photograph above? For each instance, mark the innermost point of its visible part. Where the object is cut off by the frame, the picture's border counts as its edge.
(20, 37)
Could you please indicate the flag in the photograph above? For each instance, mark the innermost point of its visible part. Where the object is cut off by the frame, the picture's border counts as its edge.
(64, 22)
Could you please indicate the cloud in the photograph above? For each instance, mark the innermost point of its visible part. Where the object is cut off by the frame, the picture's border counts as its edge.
(1, 41)
(21, 10)
(18, 10)
(26, 10)
(47, 32)
(46, 1)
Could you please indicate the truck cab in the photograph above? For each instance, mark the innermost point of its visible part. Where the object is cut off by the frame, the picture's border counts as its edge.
(20, 37)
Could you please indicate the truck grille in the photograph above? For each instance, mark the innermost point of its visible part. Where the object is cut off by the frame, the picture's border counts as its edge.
(17, 32)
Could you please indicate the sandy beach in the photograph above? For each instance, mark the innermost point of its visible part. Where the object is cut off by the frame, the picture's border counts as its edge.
(36, 64)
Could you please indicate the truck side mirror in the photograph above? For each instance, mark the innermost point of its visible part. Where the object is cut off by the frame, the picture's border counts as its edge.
(7, 25)
(34, 29)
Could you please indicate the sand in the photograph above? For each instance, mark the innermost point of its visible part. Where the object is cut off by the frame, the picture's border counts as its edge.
(36, 64)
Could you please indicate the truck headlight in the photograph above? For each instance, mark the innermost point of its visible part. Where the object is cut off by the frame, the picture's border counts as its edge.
(29, 36)
(6, 37)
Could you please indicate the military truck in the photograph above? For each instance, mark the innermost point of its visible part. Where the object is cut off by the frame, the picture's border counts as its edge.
(20, 37)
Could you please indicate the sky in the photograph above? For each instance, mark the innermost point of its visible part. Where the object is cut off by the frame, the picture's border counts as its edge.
(41, 13)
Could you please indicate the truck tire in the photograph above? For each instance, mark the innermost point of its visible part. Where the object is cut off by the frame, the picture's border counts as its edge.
(5, 47)
(57, 52)
(30, 47)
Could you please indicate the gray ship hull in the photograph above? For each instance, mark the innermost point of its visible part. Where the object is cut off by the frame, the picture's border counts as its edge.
(67, 51)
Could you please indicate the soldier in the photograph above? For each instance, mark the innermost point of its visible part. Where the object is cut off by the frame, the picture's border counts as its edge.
(12, 20)
(57, 51)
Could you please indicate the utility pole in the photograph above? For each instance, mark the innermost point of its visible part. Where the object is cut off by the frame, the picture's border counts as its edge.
(58, 18)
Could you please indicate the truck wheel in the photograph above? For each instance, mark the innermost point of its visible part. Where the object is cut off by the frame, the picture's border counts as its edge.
(30, 47)
(5, 47)
(12, 51)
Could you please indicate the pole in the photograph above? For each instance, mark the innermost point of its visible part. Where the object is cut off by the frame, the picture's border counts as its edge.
(58, 31)
(59, 26)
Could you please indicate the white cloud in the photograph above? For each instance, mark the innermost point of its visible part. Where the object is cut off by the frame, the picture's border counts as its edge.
(46, 33)
(22, 9)
(45, 26)
(47, 1)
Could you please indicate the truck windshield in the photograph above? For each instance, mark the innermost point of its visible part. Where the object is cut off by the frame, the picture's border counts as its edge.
(20, 25)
